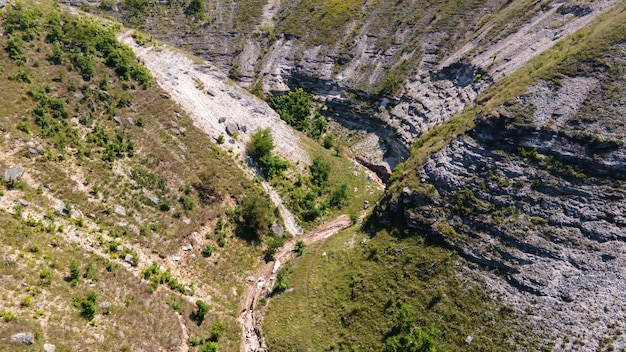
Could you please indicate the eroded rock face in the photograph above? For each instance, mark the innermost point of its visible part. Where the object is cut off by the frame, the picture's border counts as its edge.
(536, 196)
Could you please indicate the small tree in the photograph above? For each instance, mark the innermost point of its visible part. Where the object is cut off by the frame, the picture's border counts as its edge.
(256, 214)
(74, 273)
(88, 306)
(319, 172)
(273, 244)
(339, 196)
(195, 8)
(198, 315)
(281, 281)
(216, 331)
(261, 143)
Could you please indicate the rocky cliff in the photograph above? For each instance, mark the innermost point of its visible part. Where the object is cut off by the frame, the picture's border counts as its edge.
(390, 69)
(534, 193)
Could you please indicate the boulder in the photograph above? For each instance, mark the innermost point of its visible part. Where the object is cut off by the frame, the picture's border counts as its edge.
(277, 228)
(129, 259)
(231, 129)
(104, 305)
(120, 210)
(221, 120)
(25, 338)
(13, 174)
(24, 202)
(48, 347)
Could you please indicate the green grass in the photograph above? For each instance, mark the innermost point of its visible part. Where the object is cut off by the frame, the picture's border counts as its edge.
(345, 295)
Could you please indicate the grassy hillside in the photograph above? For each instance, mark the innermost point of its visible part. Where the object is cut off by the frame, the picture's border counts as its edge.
(369, 293)
(116, 177)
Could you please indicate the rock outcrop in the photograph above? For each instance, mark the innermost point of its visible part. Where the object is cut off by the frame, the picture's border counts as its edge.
(535, 195)
(392, 78)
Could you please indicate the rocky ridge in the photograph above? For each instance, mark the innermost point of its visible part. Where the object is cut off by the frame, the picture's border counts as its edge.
(534, 193)
(393, 80)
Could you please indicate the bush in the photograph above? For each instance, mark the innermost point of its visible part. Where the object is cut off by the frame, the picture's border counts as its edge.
(74, 273)
(202, 310)
(339, 196)
(216, 331)
(209, 347)
(319, 172)
(207, 251)
(46, 277)
(261, 144)
(281, 281)
(88, 306)
(294, 108)
(300, 247)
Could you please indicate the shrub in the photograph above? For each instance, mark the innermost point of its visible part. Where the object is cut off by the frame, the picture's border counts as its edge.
(90, 273)
(209, 347)
(294, 108)
(74, 273)
(281, 281)
(339, 196)
(88, 306)
(27, 301)
(46, 277)
(216, 331)
(8, 316)
(207, 251)
(319, 172)
(201, 311)
(261, 144)
(300, 247)
(187, 202)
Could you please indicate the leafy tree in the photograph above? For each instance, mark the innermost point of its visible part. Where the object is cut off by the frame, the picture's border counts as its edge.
(256, 215)
(294, 108)
(201, 312)
(339, 196)
(195, 8)
(405, 336)
(260, 148)
(216, 331)
(319, 172)
(273, 244)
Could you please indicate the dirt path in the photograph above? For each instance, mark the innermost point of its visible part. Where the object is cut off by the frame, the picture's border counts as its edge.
(261, 284)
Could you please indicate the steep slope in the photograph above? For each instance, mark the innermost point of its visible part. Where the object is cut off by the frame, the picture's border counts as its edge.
(393, 70)
(108, 188)
(530, 186)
